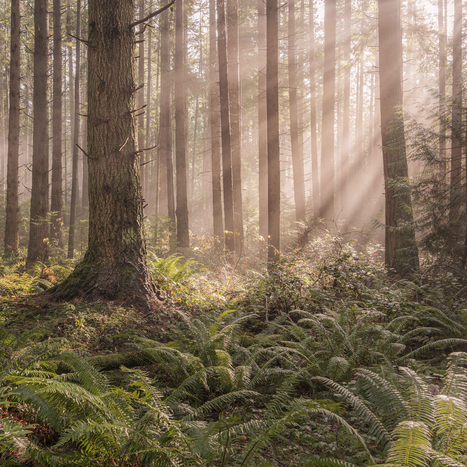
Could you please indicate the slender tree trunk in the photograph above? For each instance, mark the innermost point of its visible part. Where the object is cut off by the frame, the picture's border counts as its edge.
(272, 92)
(262, 123)
(345, 162)
(327, 142)
(3, 142)
(457, 124)
(56, 197)
(297, 156)
(401, 249)
(70, 98)
(442, 88)
(235, 119)
(314, 138)
(39, 225)
(214, 123)
(181, 130)
(12, 205)
(74, 168)
(140, 113)
(148, 142)
(225, 129)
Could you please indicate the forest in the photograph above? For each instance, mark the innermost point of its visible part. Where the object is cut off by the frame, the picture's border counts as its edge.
(234, 233)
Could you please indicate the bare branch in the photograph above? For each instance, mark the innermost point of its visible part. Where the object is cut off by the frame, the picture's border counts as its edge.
(152, 15)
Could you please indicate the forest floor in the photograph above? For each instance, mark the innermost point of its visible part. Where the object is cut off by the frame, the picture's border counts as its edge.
(324, 356)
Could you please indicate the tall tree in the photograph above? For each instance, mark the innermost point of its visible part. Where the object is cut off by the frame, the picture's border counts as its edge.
(39, 223)
(225, 129)
(114, 266)
(442, 85)
(57, 195)
(327, 140)
(74, 151)
(262, 123)
(401, 253)
(235, 117)
(314, 138)
(272, 92)
(297, 154)
(144, 167)
(12, 207)
(215, 125)
(183, 239)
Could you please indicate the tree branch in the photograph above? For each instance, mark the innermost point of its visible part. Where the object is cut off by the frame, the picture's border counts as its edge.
(152, 15)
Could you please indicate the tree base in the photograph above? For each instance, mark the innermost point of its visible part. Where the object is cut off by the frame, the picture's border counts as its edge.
(129, 284)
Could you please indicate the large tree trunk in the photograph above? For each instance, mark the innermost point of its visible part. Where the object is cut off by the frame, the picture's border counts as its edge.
(183, 240)
(56, 196)
(262, 123)
(12, 208)
(314, 139)
(140, 113)
(327, 140)
(401, 249)
(235, 117)
(74, 151)
(272, 91)
(297, 156)
(114, 265)
(225, 129)
(442, 87)
(39, 222)
(215, 125)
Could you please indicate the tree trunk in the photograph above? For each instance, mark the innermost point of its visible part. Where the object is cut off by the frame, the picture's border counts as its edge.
(314, 139)
(214, 123)
(74, 151)
(327, 141)
(297, 156)
(345, 162)
(442, 88)
(12, 207)
(183, 240)
(401, 249)
(272, 92)
(235, 118)
(56, 196)
(140, 113)
(39, 222)
(262, 123)
(114, 265)
(225, 129)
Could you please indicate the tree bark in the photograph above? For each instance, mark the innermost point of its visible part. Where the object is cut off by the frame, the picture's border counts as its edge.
(214, 123)
(12, 204)
(76, 121)
(225, 129)
(114, 266)
(401, 253)
(39, 222)
(183, 240)
(442, 88)
(272, 92)
(345, 162)
(144, 167)
(327, 142)
(297, 156)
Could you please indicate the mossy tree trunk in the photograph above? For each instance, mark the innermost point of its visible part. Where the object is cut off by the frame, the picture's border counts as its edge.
(114, 265)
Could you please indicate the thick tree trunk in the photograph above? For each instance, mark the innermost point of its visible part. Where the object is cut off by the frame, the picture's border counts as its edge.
(297, 156)
(225, 129)
(262, 123)
(314, 139)
(215, 125)
(74, 150)
(12, 208)
(327, 141)
(272, 92)
(56, 196)
(401, 249)
(140, 99)
(39, 222)
(235, 118)
(183, 240)
(114, 264)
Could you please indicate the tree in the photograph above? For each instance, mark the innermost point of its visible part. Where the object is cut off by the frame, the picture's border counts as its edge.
(401, 253)
(114, 266)
(39, 225)
(183, 239)
(12, 221)
(345, 163)
(327, 138)
(56, 195)
(272, 92)
(225, 129)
